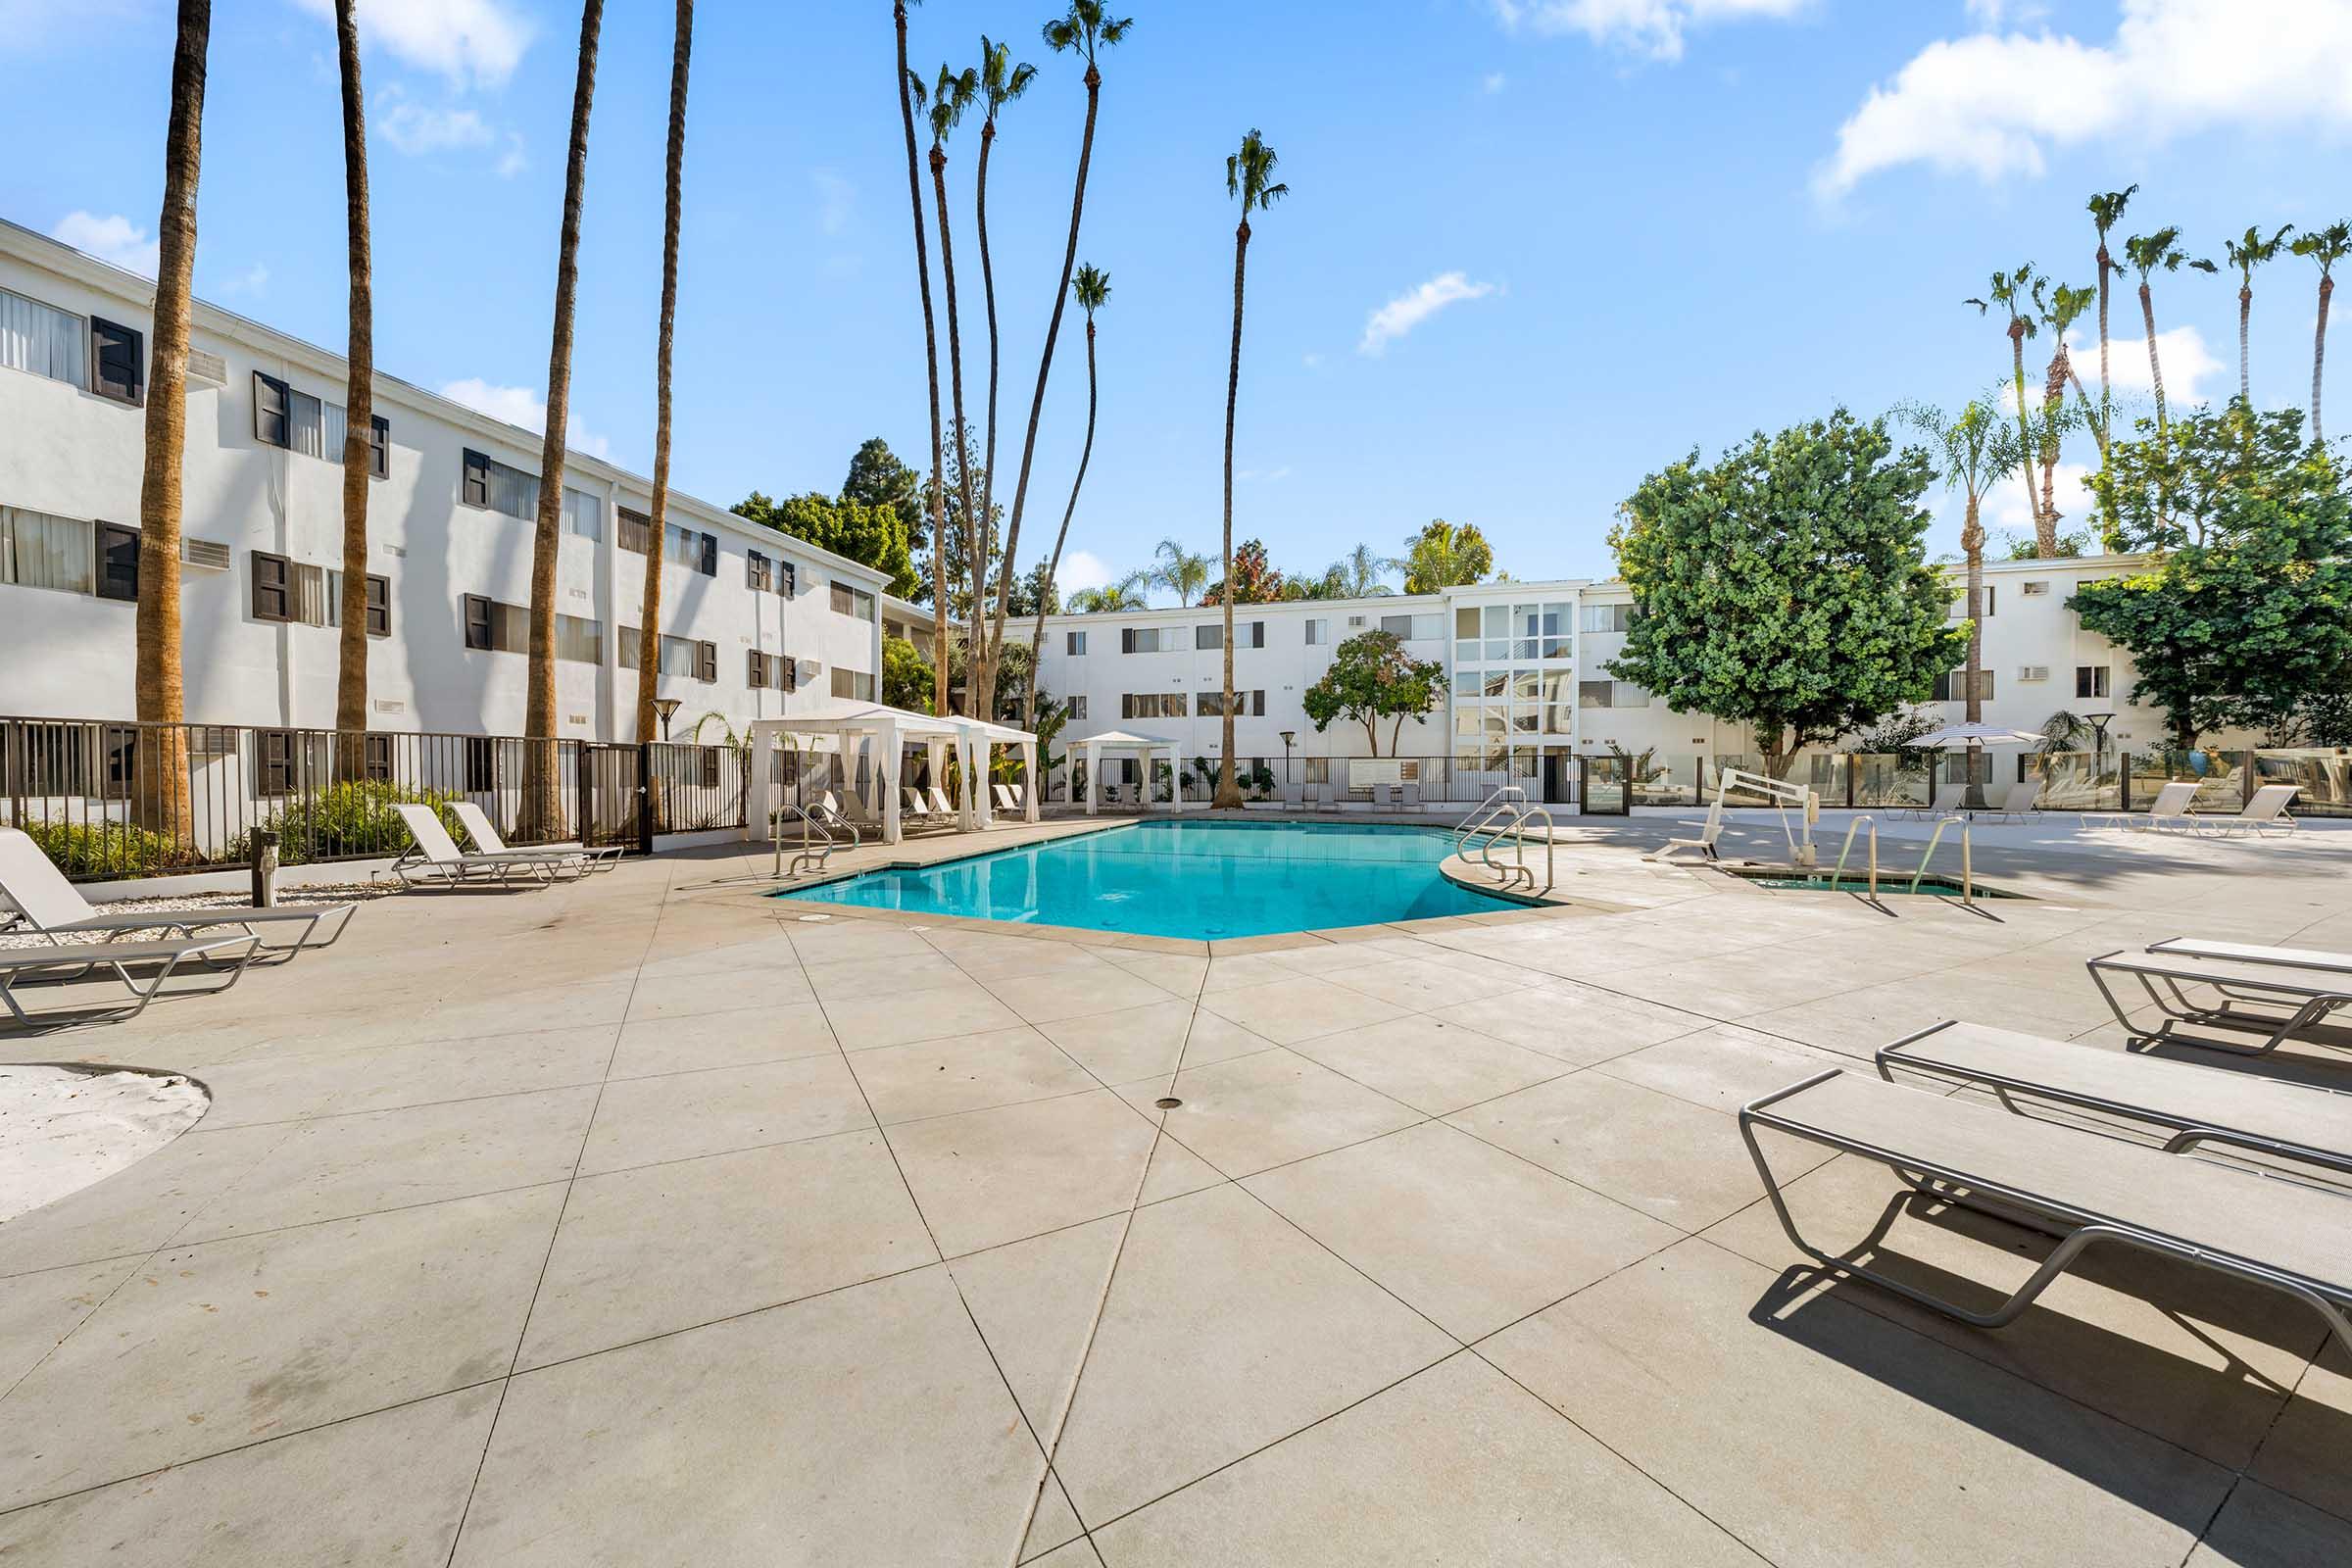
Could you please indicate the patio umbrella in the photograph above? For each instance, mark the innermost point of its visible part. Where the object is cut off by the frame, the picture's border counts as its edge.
(1957, 735)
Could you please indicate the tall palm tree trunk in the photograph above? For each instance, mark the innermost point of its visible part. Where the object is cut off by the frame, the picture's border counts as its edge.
(1229, 793)
(1037, 637)
(542, 780)
(938, 477)
(649, 630)
(1971, 545)
(2147, 315)
(2106, 419)
(2319, 351)
(985, 667)
(2045, 534)
(988, 294)
(2245, 320)
(162, 750)
(359, 410)
(980, 704)
(2053, 401)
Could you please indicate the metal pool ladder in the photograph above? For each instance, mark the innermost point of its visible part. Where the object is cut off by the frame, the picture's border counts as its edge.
(817, 842)
(1516, 872)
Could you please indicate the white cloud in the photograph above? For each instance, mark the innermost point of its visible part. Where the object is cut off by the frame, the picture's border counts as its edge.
(1493, 82)
(112, 238)
(1264, 475)
(520, 405)
(2188, 362)
(1653, 27)
(1993, 103)
(1080, 569)
(417, 130)
(1310, 360)
(2005, 512)
(834, 196)
(467, 41)
(513, 160)
(1415, 306)
(254, 280)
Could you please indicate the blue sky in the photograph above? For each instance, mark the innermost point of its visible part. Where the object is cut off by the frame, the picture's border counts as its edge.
(1646, 226)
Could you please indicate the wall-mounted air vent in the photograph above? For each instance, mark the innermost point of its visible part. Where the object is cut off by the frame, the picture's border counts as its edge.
(206, 369)
(207, 555)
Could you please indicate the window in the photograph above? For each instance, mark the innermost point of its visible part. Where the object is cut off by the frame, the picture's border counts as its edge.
(636, 531)
(1411, 628)
(1318, 769)
(1250, 634)
(41, 339)
(774, 673)
(1960, 603)
(270, 397)
(1073, 644)
(117, 575)
(1211, 636)
(481, 763)
(1606, 617)
(272, 587)
(583, 515)
(2091, 680)
(788, 579)
(379, 446)
(1211, 704)
(285, 760)
(2035, 590)
(1953, 688)
(1148, 639)
(853, 601)
(758, 574)
(679, 656)
(380, 604)
(853, 683)
(1318, 632)
(698, 551)
(495, 627)
(375, 758)
(495, 486)
(1152, 704)
(582, 642)
(40, 551)
(1596, 694)
(1076, 708)
(115, 368)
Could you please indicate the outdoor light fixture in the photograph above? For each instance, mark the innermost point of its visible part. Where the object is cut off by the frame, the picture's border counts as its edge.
(666, 706)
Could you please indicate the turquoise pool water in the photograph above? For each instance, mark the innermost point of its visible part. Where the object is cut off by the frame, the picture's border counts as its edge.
(1201, 880)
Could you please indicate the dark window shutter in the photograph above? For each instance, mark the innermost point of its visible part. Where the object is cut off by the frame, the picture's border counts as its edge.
(118, 563)
(379, 446)
(114, 368)
(1126, 639)
(270, 601)
(277, 749)
(707, 661)
(268, 409)
(379, 607)
(376, 761)
(477, 621)
(477, 479)
(759, 673)
(1257, 705)
(753, 564)
(710, 554)
(788, 578)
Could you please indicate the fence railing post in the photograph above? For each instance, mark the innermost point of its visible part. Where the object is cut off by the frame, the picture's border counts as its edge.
(645, 798)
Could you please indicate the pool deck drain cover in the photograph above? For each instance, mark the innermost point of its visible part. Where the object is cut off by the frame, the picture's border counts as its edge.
(1167, 1103)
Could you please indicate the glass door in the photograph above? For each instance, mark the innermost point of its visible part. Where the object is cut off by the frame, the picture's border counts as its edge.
(1601, 787)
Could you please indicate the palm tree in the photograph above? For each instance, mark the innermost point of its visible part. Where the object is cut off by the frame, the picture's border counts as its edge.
(1092, 288)
(649, 629)
(1086, 28)
(2149, 254)
(1127, 593)
(2010, 291)
(1000, 82)
(2106, 211)
(955, 93)
(1444, 556)
(909, 86)
(161, 707)
(1250, 175)
(358, 409)
(2247, 252)
(2059, 313)
(2327, 246)
(1977, 453)
(1181, 571)
(1357, 575)
(543, 804)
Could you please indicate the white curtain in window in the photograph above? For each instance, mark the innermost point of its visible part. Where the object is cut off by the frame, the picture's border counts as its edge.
(680, 657)
(309, 595)
(514, 492)
(335, 426)
(306, 425)
(40, 550)
(583, 514)
(42, 339)
(580, 641)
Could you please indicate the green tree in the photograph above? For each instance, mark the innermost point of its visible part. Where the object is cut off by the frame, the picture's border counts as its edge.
(907, 676)
(1249, 175)
(1786, 586)
(1361, 574)
(1034, 593)
(1372, 678)
(962, 458)
(1444, 555)
(2247, 252)
(2325, 246)
(872, 536)
(1254, 582)
(1181, 571)
(877, 478)
(2244, 614)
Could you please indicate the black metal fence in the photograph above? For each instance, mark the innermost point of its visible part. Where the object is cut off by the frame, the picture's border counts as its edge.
(107, 799)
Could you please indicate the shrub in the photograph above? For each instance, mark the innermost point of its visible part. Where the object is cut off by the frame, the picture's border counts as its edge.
(108, 849)
(349, 820)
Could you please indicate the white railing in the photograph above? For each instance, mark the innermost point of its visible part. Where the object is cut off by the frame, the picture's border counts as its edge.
(1500, 801)
(1517, 870)
(1968, 879)
(1838, 875)
(817, 840)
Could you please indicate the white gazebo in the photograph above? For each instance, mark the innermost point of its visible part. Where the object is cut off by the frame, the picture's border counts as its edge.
(982, 738)
(1144, 746)
(882, 733)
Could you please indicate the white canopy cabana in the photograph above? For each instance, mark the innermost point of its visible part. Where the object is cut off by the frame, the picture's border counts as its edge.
(882, 733)
(1144, 745)
(984, 737)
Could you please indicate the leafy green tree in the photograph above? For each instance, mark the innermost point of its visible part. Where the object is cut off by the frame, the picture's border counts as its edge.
(907, 676)
(2244, 614)
(1786, 587)
(961, 457)
(1444, 556)
(1373, 678)
(1255, 582)
(1034, 593)
(872, 536)
(877, 478)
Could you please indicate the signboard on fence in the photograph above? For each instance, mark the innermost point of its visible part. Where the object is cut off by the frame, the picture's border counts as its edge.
(1368, 772)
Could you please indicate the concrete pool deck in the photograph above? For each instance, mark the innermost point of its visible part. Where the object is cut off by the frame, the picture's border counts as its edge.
(644, 1220)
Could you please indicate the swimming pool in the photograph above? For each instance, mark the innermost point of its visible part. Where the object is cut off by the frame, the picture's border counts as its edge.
(1203, 880)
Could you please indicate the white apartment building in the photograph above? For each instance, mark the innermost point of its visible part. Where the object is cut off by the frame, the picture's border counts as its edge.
(1527, 686)
(753, 623)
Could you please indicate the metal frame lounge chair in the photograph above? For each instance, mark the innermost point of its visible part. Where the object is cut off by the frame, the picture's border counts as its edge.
(484, 833)
(2262, 815)
(942, 807)
(435, 856)
(1950, 801)
(48, 904)
(2170, 809)
(2018, 803)
(2194, 1106)
(1002, 794)
(2252, 953)
(214, 952)
(2079, 1186)
(2277, 1000)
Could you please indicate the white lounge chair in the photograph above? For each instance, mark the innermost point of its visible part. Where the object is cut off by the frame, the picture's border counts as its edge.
(2254, 953)
(46, 902)
(942, 807)
(2276, 1001)
(236, 953)
(1950, 801)
(1704, 845)
(435, 856)
(1002, 794)
(2265, 813)
(2077, 1185)
(2018, 803)
(486, 840)
(2170, 809)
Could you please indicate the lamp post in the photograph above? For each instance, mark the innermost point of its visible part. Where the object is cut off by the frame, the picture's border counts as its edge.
(2099, 751)
(666, 706)
(1287, 737)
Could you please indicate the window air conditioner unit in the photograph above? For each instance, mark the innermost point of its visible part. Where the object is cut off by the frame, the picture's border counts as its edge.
(2034, 590)
(2033, 672)
(206, 369)
(1355, 620)
(209, 555)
